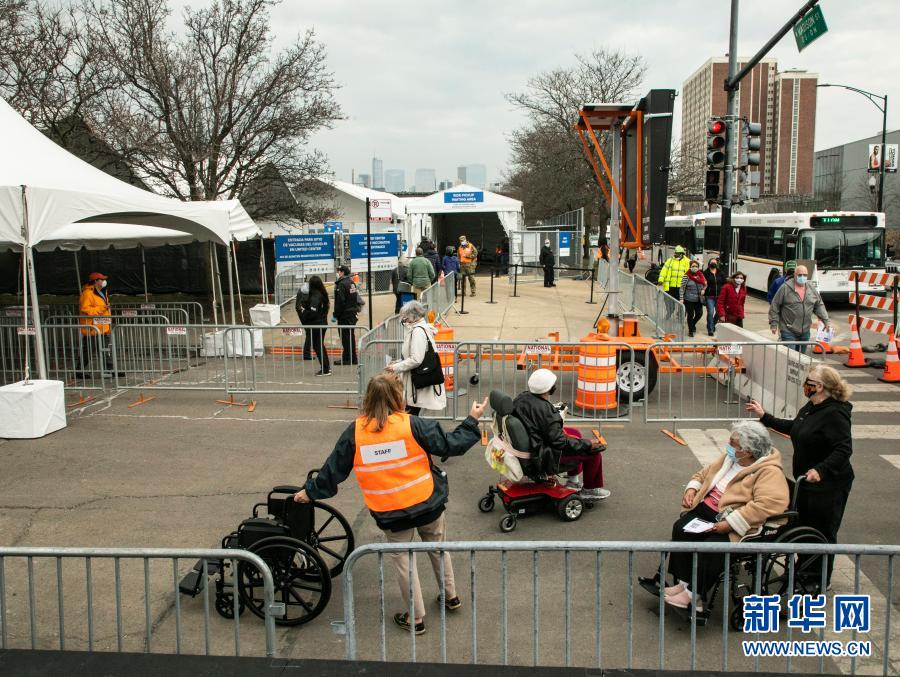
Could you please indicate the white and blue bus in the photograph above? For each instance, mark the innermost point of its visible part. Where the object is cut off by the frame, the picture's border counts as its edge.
(837, 242)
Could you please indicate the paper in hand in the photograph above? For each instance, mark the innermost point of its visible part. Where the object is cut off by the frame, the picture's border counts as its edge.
(698, 526)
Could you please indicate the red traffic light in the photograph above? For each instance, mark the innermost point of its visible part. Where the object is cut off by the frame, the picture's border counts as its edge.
(716, 127)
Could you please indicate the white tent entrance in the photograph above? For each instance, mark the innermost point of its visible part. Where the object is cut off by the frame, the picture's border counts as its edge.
(482, 216)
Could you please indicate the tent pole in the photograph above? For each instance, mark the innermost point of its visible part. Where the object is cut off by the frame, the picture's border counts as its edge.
(26, 366)
(31, 286)
(230, 282)
(262, 265)
(77, 273)
(212, 281)
(237, 279)
(144, 267)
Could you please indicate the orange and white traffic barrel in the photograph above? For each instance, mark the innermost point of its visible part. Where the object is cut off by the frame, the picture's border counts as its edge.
(444, 342)
(596, 387)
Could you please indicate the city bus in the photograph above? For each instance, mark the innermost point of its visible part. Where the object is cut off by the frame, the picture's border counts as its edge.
(835, 242)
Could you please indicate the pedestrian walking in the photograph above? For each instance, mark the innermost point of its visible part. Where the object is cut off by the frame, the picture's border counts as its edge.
(433, 257)
(789, 268)
(730, 305)
(347, 304)
(450, 262)
(547, 261)
(417, 336)
(399, 283)
(314, 316)
(299, 302)
(823, 444)
(93, 305)
(504, 255)
(693, 286)
(793, 307)
(673, 271)
(420, 273)
(403, 489)
(715, 280)
(468, 262)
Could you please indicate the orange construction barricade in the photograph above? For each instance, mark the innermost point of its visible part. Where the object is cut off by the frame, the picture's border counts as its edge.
(443, 339)
(596, 388)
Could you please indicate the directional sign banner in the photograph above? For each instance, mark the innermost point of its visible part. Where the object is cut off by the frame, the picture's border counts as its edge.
(385, 247)
(315, 252)
(809, 28)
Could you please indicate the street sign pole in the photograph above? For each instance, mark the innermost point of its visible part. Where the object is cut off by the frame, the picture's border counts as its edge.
(369, 262)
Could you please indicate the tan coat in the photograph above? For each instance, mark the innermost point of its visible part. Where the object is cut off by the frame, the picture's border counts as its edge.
(755, 494)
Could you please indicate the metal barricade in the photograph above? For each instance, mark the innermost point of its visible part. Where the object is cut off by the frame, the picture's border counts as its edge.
(483, 366)
(49, 601)
(573, 603)
(75, 354)
(713, 381)
(440, 296)
(193, 311)
(374, 356)
(272, 360)
(637, 295)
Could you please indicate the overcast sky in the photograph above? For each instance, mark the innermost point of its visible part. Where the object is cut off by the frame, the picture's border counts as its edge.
(423, 80)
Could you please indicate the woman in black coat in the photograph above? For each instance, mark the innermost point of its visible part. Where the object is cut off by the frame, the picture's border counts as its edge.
(823, 445)
(314, 314)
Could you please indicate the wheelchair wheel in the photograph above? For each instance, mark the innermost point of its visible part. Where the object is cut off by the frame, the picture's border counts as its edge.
(486, 504)
(807, 569)
(302, 582)
(332, 537)
(225, 605)
(570, 509)
(508, 523)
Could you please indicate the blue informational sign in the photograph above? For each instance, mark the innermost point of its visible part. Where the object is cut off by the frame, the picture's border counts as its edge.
(385, 249)
(463, 197)
(565, 244)
(304, 248)
(334, 226)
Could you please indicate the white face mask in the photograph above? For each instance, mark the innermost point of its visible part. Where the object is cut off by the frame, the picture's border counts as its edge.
(462, 243)
(738, 282)
(102, 284)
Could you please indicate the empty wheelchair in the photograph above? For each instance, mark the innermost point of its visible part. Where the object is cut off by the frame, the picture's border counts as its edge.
(303, 544)
(768, 573)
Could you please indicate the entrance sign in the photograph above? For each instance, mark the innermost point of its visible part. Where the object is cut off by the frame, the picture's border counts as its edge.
(380, 210)
(463, 197)
(565, 244)
(385, 248)
(809, 28)
(315, 252)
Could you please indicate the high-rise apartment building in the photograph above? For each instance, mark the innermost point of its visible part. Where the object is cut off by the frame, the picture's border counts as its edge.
(377, 173)
(472, 175)
(783, 103)
(446, 184)
(426, 181)
(364, 180)
(394, 180)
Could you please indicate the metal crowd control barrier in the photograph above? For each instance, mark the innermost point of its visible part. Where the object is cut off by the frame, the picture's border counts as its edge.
(271, 360)
(193, 310)
(713, 381)
(637, 295)
(98, 602)
(440, 296)
(75, 354)
(590, 619)
(374, 356)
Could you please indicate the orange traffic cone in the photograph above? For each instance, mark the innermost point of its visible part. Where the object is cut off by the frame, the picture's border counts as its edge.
(856, 357)
(891, 364)
(641, 254)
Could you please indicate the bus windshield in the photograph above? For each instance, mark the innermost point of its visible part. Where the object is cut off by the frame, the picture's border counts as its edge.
(846, 248)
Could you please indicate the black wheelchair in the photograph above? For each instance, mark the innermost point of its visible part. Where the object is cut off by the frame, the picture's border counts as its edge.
(764, 574)
(303, 544)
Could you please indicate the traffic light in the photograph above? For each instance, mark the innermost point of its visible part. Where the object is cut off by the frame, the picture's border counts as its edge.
(750, 143)
(716, 140)
(713, 185)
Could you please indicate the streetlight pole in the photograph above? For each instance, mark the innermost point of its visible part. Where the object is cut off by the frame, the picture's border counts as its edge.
(883, 108)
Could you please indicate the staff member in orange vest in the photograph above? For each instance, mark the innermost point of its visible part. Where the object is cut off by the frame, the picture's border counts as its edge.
(93, 306)
(468, 262)
(390, 450)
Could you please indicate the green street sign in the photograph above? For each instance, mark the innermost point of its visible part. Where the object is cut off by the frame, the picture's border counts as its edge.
(809, 28)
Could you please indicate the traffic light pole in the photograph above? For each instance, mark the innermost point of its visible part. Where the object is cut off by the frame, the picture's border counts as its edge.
(731, 86)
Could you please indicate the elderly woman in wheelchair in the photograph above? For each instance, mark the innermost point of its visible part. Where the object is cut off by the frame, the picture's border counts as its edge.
(731, 499)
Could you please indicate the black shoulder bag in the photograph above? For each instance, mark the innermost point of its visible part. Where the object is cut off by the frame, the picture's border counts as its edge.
(429, 373)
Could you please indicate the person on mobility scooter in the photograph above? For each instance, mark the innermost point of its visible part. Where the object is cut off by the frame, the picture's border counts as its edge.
(530, 441)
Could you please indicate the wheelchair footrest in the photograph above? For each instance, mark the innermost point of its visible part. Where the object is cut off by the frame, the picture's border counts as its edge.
(194, 581)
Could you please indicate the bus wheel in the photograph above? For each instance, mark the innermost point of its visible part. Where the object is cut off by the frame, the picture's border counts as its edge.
(633, 376)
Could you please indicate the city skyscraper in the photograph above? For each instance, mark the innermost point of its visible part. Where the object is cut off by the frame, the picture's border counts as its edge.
(783, 103)
(426, 181)
(394, 180)
(377, 173)
(445, 184)
(364, 180)
(473, 175)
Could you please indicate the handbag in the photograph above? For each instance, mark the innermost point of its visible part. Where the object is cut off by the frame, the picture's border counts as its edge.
(429, 373)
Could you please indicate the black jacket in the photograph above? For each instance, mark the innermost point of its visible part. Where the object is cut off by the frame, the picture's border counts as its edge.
(301, 299)
(714, 282)
(435, 259)
(821, 437)
(431, 437)
(314, 309)
(346, 298)
(546, 258)
(544, 425)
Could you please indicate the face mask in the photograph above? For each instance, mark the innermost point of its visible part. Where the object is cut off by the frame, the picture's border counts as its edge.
(739, 281)
(809, 391)
(678, 256)
(713, 266)
(102, 284)
(462, 243)
(695, 269)
(731, 452)
(801, 279)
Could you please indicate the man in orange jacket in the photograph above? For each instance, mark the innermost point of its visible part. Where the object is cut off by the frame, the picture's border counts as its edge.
(94, 309)
(468, 261)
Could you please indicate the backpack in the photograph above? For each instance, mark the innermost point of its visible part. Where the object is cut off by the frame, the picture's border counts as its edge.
(652, 275)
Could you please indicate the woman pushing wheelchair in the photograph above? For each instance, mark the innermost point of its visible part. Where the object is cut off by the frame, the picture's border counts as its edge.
(727, 500)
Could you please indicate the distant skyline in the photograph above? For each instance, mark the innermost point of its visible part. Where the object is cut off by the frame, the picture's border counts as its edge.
(435, 97)
(481, 178)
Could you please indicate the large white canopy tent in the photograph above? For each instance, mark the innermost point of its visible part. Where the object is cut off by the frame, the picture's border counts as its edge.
(461, 200)
(49, 195)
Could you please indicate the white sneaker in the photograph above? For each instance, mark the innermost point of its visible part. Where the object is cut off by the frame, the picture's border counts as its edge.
(594, 494)
(574, 482)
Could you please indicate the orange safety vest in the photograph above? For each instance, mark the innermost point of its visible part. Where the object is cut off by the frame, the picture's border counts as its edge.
(467, 253)
(93, 304)
(392, 469)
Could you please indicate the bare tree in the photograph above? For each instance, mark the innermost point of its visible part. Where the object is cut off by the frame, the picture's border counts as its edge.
(686, 174)
(549, 170)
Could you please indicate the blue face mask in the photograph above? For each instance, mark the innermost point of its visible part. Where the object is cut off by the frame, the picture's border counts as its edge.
(731, 452)
(801, 279)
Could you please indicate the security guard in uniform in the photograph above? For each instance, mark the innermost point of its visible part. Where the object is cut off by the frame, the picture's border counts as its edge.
(468, 262)
(390, 452)
(347, 304)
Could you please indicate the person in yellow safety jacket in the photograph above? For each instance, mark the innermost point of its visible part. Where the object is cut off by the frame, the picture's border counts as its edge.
(673, 271)
(468, 262)
(390, 453)
(94, 302)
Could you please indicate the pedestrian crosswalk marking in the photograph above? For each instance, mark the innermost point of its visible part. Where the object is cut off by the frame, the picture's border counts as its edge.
(876, 432)
(706, 445)
(880, 407)
(875, 388)
(893, 459)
